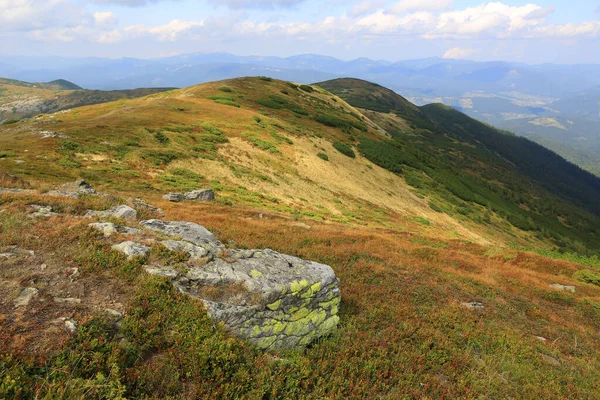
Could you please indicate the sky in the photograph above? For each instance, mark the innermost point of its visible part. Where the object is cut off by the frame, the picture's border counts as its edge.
(556, 31)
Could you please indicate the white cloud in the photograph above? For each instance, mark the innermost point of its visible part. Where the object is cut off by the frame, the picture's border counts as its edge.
(245, 4)
(458, 53)
(365, 7)
(106, 18)
(420, 5)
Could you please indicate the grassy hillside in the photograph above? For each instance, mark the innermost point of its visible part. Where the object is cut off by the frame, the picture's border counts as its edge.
(20, 100)
(416, 227)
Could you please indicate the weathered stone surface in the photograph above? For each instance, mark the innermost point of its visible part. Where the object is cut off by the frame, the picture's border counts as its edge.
(123, 212)
(188, 231)
(26, 296)
(161, 271)
(108, 228)
(131, 249)
(190, 248)
(174, 197)
(565, 288)
(141, 204)
(200, 195)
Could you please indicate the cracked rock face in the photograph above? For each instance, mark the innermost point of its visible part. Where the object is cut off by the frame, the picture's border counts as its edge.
(122, 212)
(131, 249)
(200, 195)
(274, 301)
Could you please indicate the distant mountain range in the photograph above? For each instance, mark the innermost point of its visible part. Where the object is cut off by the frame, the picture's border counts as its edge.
(558, 105)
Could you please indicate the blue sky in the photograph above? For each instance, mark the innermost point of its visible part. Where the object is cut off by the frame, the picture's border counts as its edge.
(539, 31)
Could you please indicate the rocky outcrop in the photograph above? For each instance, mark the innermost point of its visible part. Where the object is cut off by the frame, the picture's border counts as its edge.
(122, 212)
(42, 211)
(200, 195)
(273, 300)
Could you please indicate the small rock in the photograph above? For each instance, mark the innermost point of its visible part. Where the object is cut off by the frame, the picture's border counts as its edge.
(260, 215)
(472, 305)
(71, 325)
(551, 360)
(51, 134)
(564, 288)
(174, 197)
(43, 267)
(19, 161)
(540, 338)
(141, 203)
(108, 228)
(42, 211)
(302, 225)
(114, 313)
(189, 231)
(70, 300)
(26, 296)
(200, 195)
(194, 251)
(131, 249)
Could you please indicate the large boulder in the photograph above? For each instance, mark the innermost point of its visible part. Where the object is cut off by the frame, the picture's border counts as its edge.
(200, 195)
(273, 300)
(174, 197)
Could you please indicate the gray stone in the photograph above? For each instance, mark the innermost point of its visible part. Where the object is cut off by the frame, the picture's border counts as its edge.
(122, 212)
(565, 288)
(131, 249)
(42, 211)
(16, 190)
(473, 305)
(71, 325)
(551, 360)
(273, 300)
(108, 228)
(73, 189)
(174, 197)
(200, 195)
(26, 296)
(188, 231)
(141, 204)
(69, 300)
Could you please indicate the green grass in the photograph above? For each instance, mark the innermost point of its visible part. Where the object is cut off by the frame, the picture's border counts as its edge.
(345, 149)
(323, 156)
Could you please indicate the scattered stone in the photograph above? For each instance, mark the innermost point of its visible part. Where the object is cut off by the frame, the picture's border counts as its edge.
(194, 251)
(108, 228)
(42, 211)
(26, 296)
(52, 134)
(260, 215)
(71, 325)
(174, 197)
(551, 360)
(200, 195)
(73, 189)
(43, 267)
(540, 338)
(114, 313)
(122, 212)
(472, 305)
(160, 271)
(565, 288)
(131, 249)
(19, 161)
(70, 300)
(273, 300)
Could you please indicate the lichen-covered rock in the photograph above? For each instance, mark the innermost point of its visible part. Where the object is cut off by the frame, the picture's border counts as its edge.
(122, 212)
(131, 249)
(200, 195)
(273, 300)
(42, 211)
(174, 197)
(26, 296)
